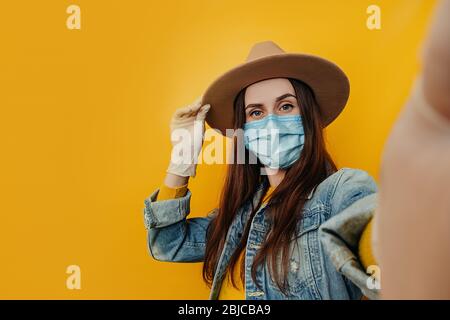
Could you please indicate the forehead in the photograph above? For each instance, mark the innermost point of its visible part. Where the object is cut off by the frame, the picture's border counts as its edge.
(267, 90)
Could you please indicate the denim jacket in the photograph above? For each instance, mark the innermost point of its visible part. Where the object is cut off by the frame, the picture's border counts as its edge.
(312, 275)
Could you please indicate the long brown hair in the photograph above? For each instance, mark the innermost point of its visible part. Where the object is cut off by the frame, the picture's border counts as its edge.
(285, 203)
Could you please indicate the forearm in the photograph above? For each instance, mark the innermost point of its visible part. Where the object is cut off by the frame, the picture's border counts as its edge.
(171, 235)
(174, 181)
(412, 223)
(436, 61)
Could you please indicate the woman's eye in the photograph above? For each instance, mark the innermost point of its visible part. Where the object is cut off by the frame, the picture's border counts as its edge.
(255, 113)
(286, 107)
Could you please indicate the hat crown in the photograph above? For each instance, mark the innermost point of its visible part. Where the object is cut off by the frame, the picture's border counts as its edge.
(264, 49)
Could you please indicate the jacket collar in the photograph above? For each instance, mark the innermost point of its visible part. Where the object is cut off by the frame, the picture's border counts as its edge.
(311, 193)
(265, 181)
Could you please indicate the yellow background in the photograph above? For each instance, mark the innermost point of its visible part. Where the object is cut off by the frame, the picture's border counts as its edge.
(84, 121)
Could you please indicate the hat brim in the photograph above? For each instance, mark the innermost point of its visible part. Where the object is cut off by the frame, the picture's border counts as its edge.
(328, 82)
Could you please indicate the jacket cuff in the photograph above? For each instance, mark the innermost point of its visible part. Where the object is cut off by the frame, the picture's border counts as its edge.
(162, 213)
(340, 236)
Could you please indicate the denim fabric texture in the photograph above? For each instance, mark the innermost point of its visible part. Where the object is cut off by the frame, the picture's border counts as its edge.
(173, 237)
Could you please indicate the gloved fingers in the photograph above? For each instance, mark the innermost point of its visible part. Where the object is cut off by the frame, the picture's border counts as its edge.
(195, 106)
(201, 115)
(183, 112)
(189, 110)
(197, 102)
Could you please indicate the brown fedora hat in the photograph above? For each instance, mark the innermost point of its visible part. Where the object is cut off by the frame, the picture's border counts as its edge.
(267, 60)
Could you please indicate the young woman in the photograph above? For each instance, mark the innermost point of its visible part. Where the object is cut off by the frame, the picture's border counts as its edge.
(262, 241)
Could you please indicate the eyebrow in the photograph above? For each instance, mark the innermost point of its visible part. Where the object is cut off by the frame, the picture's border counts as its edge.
(276, 100)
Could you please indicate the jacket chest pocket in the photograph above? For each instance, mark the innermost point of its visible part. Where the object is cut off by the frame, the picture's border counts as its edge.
(305, 262)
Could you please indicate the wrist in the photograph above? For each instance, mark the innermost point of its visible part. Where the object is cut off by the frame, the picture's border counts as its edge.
(174, 181)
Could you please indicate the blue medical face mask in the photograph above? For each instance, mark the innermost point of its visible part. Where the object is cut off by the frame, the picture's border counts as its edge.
(276, 140)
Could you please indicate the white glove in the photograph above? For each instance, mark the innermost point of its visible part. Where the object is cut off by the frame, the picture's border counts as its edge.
(187, 128)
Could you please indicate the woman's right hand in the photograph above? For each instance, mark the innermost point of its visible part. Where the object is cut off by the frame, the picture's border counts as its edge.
(187, 128)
